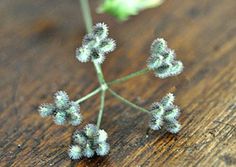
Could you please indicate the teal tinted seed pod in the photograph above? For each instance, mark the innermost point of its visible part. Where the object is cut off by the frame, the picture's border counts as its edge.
(75, 152)
(169, 56)
(107, 45)
(157, 110)
(163, 71)
(172, 113)
(61, 99)
(83, 54)
(103, 149)
(100, 30)
(101, 137)
(91, 130)
(158, 46)
(173, 126)
(88, 151)
(168, 100)
(46, 110)
(80, 138)
(154, 62)
(75, 119)
(177, 68)
(156, 123)
(90, 41)
(97, 56)
(60, 118)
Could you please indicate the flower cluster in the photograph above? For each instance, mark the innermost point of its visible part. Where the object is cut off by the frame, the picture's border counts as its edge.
(63, 110)
(162, 60)
(96, 45)
(89, 141)
(165, 114)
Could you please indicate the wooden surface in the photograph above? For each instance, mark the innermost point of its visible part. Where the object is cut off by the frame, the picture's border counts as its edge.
(37, 45)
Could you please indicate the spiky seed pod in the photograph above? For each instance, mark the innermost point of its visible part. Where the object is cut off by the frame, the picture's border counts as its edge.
(88, 151)
(61, 99)
(163, 71)
(168, 100)
(157, 110)
(91, 130)
(80, 138)
(73, 108)
(46, 110)
(156, 124)
(173, 126)
(97, 56)
(91, 140)
(158, 46)
(169, 56)
(154, 62)
(100, 30)
(107, 45)
(91, 41)
(75, 152)
(60, 118)
(103, 149)
(177, 68)
(83, 54)
(172, 113)
(75, 119)
(101, 137)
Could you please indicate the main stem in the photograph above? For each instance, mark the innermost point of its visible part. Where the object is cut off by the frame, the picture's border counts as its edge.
(122, 99)
(88, 22)
(122, 79)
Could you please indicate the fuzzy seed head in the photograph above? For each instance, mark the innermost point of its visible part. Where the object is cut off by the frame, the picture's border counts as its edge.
(60, 118)
(91, 130)
(173, 126)
(107, 45)
(157, 110)
(103, 149)
(80, 138)
(155, 124)
(88, 151)
(177, 68)
(100, 30)
(172, 114)
(75, 152)
(102, 136)
(158, 46)
(61, 99)
(90, 41)
(154, 62)
(75, 119)
(46, 110)
(168, 100)
(83, 54)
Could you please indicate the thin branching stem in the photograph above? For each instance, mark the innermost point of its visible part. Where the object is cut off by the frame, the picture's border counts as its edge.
(129, 103)
(125, 78)
(101, 108)
(96, 91)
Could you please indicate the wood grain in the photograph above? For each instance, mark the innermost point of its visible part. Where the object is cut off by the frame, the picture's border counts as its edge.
(37, 44)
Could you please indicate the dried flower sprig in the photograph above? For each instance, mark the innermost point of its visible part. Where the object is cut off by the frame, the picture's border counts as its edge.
(165, 114)
(89, 141)
(96, 45)
(63, 110)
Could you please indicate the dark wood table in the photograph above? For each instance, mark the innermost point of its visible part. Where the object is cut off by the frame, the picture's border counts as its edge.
(37, 46)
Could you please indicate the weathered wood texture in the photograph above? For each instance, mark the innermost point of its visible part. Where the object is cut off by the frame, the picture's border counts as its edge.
(37, 44)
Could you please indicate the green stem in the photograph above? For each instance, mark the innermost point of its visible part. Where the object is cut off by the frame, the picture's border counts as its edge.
(86, 14)
(101, 109)
(122, 79)
(89, 95)
(126, 101)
